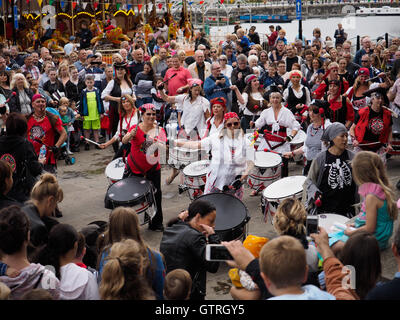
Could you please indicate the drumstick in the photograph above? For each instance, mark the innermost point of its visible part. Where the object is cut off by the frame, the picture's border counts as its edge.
(267, 150)
(91, 141)
(394, 113)
(368, 144)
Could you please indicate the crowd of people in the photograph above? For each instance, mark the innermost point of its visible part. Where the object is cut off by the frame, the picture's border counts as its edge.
(154, 98)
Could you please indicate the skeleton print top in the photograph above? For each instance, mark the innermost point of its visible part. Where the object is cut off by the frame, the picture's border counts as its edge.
(337, 187)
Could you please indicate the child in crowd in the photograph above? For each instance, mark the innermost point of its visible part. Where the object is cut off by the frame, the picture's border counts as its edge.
(67, 117)
(177, 285)
(91, 108)
(78, 127)
(379, 209)
(284, 269)
(80, 254)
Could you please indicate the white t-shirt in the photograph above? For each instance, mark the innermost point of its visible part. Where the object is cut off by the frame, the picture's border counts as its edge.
(78, 283)
(193, 113)
(228, 162)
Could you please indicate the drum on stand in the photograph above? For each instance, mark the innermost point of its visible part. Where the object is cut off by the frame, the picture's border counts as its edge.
(267, 169)
(297, 141)
(180, 157)
(232, 216)
(275, 193)
(134, 192)
(196, 177)
(115, 170)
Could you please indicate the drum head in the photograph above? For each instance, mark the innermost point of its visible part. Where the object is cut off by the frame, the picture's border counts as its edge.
(198, 168)
(231, 212)
(115, 169)
(129, 190)
(300, 137)
(284, 188)
(267, 159)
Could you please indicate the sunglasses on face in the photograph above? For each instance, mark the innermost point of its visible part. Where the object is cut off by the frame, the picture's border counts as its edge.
(150, 114)
(235, 124)
(123, 99)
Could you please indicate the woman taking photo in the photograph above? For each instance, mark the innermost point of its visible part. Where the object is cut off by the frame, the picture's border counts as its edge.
(356, 92)
(115, 89)
(184, 244)
(251, 101)
(146, 138)
(193, 110)
(313, 144)
(330, 177)
(144, 84)
(124, 224)
(231, 157)
(21, 101)
(128, 117)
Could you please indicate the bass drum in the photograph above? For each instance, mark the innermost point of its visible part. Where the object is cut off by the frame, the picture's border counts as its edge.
(232, 216)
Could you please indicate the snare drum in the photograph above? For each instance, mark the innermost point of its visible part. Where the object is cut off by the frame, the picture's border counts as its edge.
(267, 169)
(196, 177)
(134, 192)
(297, 141)
(115, 170)
(275, 193)
(180, 157)
(232, 216)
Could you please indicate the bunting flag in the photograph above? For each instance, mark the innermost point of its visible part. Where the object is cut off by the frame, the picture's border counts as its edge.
(96, 4)
(117, 5)
(201, 2)
(38, 1)
(84, 5)
(169, 5)
(27, 2)
(159, 5)
(107, 5)
(140, 6)
(222, 1)
(74, 5)
(128, 7)
(51, 2)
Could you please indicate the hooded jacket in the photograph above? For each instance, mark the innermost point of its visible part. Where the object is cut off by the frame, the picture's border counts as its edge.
(32, 277)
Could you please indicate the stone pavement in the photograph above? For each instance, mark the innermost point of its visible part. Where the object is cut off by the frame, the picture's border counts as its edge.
(85, 185)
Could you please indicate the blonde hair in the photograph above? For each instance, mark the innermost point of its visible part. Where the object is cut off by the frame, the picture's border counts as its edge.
(122, 277)
(290, 218)
(369, 167)
(177, 285)
(47, 186)
(63, 65)
(283, 261)
(14, 80)
(63, 100)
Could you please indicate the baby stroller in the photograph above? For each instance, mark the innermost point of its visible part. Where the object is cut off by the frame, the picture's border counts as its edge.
(62, 153)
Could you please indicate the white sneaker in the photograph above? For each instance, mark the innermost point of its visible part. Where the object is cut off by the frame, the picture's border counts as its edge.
(69, 152)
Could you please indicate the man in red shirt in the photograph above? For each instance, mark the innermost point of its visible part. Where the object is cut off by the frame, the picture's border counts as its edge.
(272, 37)
(42, 129)
(179, 83)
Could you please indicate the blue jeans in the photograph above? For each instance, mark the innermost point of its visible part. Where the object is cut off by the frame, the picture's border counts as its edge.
(142, 101)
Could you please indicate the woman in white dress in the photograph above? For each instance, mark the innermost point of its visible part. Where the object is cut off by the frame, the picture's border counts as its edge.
(232, 157)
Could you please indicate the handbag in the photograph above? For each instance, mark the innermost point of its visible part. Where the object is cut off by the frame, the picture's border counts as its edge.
(105, 123)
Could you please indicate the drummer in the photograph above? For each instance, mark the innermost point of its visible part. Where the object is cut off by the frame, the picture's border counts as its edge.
(330, 185)
(231, 160)
(216, 121)
(143, 160)
(275, 121)
(313, 144)
(128, 117)
(373, 128)
(193, 110)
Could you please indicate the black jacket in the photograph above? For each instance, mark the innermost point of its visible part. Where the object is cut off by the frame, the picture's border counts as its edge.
(6, 201)
(14, 103)
(72, 91)
(15, 150)
(40, 227)
(184, 248)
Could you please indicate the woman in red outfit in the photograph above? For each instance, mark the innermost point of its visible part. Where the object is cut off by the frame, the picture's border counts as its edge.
(143, 160)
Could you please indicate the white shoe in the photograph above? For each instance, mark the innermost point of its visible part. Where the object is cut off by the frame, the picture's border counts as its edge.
(69, 152)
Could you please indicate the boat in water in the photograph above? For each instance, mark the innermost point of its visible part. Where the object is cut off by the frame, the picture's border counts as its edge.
(384, 11)
(265, 18)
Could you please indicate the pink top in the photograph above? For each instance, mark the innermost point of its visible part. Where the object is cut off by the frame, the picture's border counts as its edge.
(370, 188)
(180, 80)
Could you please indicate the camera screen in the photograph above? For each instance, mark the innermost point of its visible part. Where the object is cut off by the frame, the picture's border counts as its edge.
(220, 253)
(312, 226)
